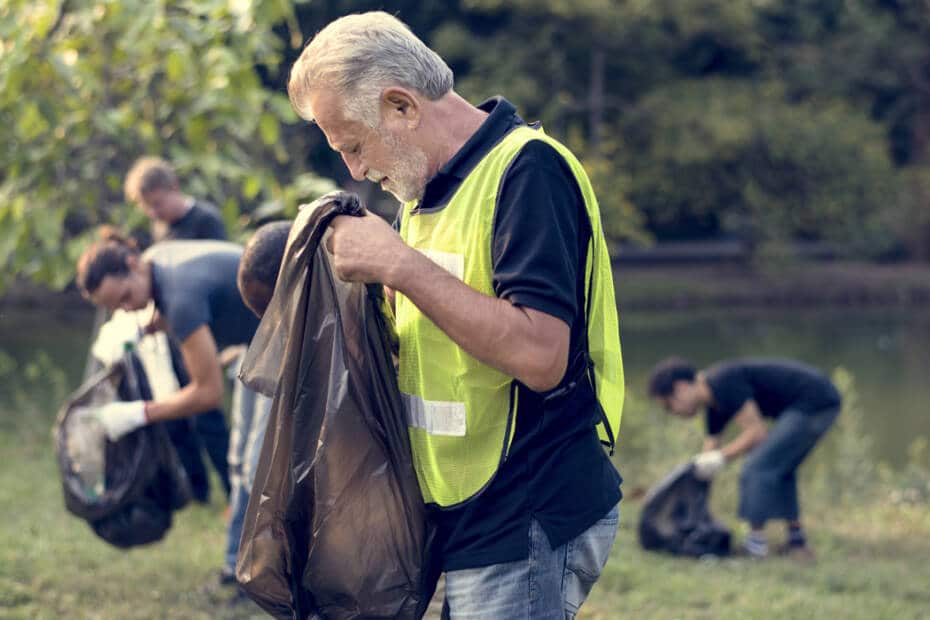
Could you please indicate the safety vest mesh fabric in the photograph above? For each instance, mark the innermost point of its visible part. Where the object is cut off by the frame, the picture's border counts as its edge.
(461, 412)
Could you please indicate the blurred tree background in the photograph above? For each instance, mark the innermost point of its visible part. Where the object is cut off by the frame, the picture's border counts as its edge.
(769, 121)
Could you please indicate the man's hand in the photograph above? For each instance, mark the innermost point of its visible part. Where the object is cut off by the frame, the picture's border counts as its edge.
(230, 355)
(121, 417)
(708, 464)
(364, 249)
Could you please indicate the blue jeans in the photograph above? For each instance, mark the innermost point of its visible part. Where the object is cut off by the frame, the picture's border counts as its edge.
(250, 412)
(768, 482)
(549, 584)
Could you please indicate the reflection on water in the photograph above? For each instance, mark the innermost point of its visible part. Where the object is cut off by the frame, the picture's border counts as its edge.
(887, 351)
(42, 357)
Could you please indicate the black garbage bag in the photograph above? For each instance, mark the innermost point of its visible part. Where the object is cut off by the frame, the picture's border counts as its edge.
(126, 490)
(676, 518)
(336, 526)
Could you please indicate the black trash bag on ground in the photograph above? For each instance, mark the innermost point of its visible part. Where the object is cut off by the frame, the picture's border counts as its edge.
(126, 490)
(676, 518)
(336, 526)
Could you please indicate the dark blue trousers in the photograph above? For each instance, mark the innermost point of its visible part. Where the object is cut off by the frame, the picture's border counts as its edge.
(768, 482)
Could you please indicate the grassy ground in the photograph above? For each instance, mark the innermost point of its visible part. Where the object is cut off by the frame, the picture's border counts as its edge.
(872, 565)
(871, 530)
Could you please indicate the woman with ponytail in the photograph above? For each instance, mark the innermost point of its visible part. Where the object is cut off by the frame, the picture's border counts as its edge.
(193, 287)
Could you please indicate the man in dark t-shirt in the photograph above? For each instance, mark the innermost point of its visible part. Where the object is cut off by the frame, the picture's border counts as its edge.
(152, 185)
(201, 221)
(800, 400)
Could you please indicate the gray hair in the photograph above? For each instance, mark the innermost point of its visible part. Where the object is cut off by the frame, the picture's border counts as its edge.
(360, 55)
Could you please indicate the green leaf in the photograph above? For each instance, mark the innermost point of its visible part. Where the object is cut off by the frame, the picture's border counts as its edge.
(268, 128)
(251, 186)
(175, 66)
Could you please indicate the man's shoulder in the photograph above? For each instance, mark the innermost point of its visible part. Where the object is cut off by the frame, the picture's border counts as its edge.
(541, 152)
(202, 221)
(205, 209)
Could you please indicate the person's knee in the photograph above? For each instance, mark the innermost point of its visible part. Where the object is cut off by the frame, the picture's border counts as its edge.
(756, 475)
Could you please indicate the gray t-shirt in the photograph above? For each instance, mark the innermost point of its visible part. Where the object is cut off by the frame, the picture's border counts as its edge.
(194, 284)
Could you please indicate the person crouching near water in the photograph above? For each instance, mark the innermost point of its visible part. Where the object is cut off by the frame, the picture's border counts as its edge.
(193, 286)
(803, 405)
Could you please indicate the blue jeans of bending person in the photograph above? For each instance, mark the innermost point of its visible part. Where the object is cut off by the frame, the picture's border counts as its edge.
(768, 482)
(250, 412)
(551, 584)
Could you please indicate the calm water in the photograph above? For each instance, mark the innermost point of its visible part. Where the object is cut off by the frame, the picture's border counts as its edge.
(887, 351)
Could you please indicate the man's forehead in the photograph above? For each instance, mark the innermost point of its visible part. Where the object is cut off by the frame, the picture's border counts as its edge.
(329, 114)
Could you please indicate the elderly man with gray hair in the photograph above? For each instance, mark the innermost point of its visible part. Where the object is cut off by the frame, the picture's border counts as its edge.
(509, 359)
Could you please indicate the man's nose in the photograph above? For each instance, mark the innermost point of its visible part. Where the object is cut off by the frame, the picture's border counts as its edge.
(356, 168)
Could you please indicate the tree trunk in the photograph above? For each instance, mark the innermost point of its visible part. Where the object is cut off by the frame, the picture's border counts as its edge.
(596, 98)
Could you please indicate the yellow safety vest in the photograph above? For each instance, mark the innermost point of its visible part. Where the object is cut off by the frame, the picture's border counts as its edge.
(461, 412)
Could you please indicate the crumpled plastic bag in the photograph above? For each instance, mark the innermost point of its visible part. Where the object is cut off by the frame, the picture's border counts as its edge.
(126, 490)
(336, 526)
(153, 349)
(676, 518)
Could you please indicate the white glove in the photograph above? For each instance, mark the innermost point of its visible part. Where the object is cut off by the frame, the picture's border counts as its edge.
(708, 464)
(121, 417)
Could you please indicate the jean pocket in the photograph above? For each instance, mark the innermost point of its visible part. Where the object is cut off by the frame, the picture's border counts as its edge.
(586, 557)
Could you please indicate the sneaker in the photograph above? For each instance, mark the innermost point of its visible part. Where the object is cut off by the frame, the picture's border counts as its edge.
(227, 577)
(753, 549)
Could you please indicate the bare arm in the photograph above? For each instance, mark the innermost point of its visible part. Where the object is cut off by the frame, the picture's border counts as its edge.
(711, 442)
(524, 343)
(205, 390)
(754, 431)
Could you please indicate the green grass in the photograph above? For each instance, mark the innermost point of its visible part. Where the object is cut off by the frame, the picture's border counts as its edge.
(870, 527)
(871, 564)
(53, 566)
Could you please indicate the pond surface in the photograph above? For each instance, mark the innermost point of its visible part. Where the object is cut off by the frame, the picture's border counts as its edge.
(42, 357)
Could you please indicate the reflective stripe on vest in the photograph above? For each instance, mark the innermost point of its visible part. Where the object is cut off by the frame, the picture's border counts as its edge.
(462, 412)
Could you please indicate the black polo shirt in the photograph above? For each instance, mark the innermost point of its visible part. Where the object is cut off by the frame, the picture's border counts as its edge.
(202, 221)
(556, 471)
(775, 385)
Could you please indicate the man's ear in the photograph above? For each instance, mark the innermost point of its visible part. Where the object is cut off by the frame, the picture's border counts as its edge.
(399, 104)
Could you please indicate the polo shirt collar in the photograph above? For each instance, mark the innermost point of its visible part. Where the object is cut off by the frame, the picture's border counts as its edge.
(502, 118)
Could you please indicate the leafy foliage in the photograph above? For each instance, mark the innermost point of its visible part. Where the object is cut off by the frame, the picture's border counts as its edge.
(85, 87)
(774, 120)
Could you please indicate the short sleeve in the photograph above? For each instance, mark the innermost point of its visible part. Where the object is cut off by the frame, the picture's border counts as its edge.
(535, 250)
(212, 228)
(186, 317)
(730, 390)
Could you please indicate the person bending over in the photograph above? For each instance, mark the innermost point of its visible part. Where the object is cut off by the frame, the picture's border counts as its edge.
(193, 286)
(803, 404)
